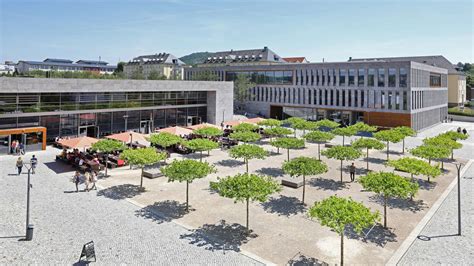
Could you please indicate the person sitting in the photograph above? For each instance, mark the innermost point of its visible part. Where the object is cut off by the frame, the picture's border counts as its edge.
(95, 160)
(81, 162)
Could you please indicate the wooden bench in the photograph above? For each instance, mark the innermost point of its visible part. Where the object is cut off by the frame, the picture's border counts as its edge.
(293, 183)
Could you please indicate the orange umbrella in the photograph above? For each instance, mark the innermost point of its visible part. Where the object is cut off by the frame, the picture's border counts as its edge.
(126, 137)
(77, 143)
(254, 120)
(233, 123)
(179, 131)
(199, 126)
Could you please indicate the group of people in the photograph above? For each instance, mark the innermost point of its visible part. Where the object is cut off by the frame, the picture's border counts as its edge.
(17, 147)
(20, 164)
(89, 178)
(464, 131)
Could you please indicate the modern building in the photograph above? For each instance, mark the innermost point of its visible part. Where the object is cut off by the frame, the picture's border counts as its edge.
(98, 107)
(382, 93)
(50, 64)
(162, 64)
(295, 60)
(7, 69)
(263, 56)
(456, 79)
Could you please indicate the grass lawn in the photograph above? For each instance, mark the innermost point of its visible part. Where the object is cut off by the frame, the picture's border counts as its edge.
(468, 111)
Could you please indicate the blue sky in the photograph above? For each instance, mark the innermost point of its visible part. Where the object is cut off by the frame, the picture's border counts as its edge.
(331, 29)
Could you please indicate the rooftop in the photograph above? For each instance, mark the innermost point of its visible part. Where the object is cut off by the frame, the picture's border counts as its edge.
(238, 56)
(161, 58)
(296, 59)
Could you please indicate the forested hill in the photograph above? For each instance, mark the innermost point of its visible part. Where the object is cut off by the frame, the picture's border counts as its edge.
(195, 58)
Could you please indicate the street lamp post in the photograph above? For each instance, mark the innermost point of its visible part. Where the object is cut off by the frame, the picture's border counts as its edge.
(458, 167)
(126, 118)
(29, 228)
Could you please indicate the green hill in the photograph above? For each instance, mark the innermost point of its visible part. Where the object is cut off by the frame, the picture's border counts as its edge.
(195, 58)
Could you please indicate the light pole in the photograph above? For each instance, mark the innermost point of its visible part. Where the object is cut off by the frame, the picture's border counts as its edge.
(126, 118)
(29, 228)
(458, 166)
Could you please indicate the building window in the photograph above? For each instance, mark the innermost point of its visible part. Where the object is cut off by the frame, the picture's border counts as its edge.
(382, 100)
(342, 77)
(349, 98)
(323, 77)
(360, 77)
(392, 77)
(332, 97)
(390, 100)
(325, 97)
(397, 100)
(343, 98)
(405, 101)
(356, 98)
(381, 77)
(351, 77)
(362, 102)
(402, 78)
(334, 77)
(337, 97)
(371, 77)
(435, 80)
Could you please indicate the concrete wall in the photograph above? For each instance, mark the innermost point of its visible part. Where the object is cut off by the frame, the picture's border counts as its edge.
(456, 89)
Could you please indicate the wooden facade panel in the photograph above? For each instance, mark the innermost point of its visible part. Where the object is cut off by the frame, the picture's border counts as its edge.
(387, 119)
(18, 131)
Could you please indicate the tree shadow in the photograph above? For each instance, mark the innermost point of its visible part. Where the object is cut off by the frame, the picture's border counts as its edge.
(302, 260)
(284, 206)
(59, 167)
(162, 211)
(327, 184)
(424, 184)
(120, 192)
(220, 236)
(403, 204)
(377, 235)
(270, 171)
(195, 155)
(373, 160)
(229, 163)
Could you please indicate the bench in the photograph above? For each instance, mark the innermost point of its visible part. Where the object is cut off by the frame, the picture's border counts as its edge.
(329, 145)
(293, 183)
(152, 174)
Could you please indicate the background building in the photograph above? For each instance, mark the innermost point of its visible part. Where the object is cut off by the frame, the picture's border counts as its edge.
(50, 64)
(263, 56)
(295, 59)
(162, 66)
(97, 107)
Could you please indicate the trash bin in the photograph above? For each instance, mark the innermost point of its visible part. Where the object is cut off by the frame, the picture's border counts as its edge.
(29, 232)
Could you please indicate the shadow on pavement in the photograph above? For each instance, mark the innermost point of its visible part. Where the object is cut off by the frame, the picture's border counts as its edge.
(284, 205)
(403, 204)
(162, 211)
(377, 235)
(424, 184)
(120, 192)
(229, 163)
(270, 171)
(327, 184)
(302, 260)
(220, 236)
(59, 167)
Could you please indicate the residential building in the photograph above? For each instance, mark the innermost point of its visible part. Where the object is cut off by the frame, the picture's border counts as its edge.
(295, 60)
(51, 64)
(382, 93)
(163, 65)
(456, 79)
(263, 56)
(7, 68)
(30, 108)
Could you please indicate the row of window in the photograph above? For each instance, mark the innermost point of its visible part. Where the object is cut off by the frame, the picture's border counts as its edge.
(263, 77)
(66, 68)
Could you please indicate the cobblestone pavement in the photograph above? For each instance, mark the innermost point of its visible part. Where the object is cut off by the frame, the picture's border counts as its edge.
(443, 246)
(65, 220)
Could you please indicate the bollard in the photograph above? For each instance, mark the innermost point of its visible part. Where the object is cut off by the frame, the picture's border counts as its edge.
(29, 233)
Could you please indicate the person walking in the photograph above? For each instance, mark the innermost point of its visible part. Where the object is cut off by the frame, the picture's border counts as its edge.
(13, 147)
(21, 147)
(19, 165)
(87, 180)
(33, 162)
(464, 131)
(93, 180)
(459, 129)
(76, 179)
(352, 170)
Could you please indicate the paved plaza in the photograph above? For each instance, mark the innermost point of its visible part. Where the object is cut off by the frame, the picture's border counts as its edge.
(153, 229)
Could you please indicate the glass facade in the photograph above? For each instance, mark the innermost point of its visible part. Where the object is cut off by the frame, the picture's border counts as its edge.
(435, 80)
(402, 78)
(361, 77)
(371, 77)
(392, 77)
(352, 77)
(381, 77)
(342, 77)
(263, 77)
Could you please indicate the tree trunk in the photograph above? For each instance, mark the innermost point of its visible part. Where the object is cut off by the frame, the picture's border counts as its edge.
(141, 178)
(342, 140)
(442, 164)
(187, 196)
(388, 148)
(341, 171)
(288, 153)
(246, 165)
(342, 248)
(106, 164)
(319, 151)
(452, 154)
(367, 159)
(403, 146)
(385, 211)
(200, 158)
(247, 220)
(304, 188)
(429, 161)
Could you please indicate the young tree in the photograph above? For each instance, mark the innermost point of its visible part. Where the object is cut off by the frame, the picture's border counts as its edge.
(388, 185)
(288, 143)
(142, 158)
(344, 132)
(304, 125)
(431, 152)
(389, 136)
(337, 213)
(443, 141)
(270, 123)
(326, 123)
(415, 167)
(154, 75)
(319, 137)
(368, 144)
(165, 139)
(277, 132)
(137, 74)
(245, 188)
(342, 153)
(201, 145)
(205, 76)
(107, 146)
(294, 123)
(454, 135)
(244, 127)
(363, 127)
(245, 136)
(247, 152)
(187, 171)
(208, 132)
(406, 132)
(242, 85)
(304, 166)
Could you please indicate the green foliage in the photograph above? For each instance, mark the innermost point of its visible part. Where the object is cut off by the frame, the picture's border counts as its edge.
(108, 146)
(245, 136)
(205, 76)
(305, 125)
(195, 58)
(388, 185)
(442, 141)
(270, 123)
(244, 127)
(187, 170)
(326, 123)
(288, 143)
(304, 166)
(454, 135)
(277, 131)
(242, 85)
(363, 127)
(319, 136)
(72, 74)
(119, 68)
(343, 153)
(391, 135)
(137, 74)
(294, 120)
(247, 152)
(466, 111)
(337, 213)
(208, 132)
(431, 152)
(154, 75)
(242, 187)
(405, 131)
(142, 157)
(368, 143)
(415, 167)
(165, 139)
(344, 132)
(201, 144)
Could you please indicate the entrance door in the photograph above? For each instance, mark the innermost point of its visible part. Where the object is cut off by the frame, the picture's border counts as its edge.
(89, 131)
(145, 127)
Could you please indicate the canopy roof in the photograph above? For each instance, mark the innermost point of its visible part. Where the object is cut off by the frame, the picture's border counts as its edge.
(176, 130)
(126, 137)
(199, 126)
(77, 143)
(248, 120)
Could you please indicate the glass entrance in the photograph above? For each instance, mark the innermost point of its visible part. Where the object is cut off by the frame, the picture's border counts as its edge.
(145, 127)
(89, 131)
